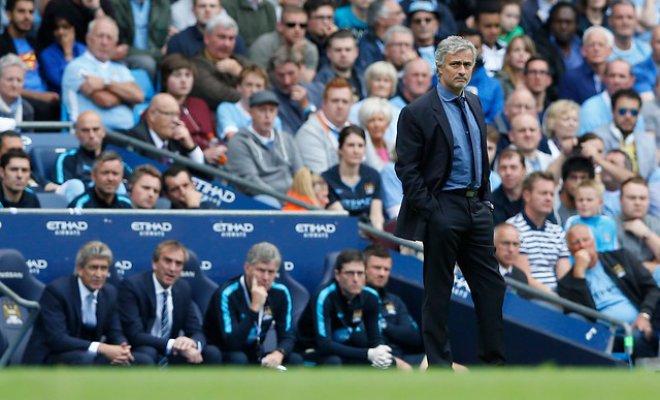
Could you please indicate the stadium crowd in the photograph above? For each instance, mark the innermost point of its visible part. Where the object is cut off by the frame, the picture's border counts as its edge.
(303, 98)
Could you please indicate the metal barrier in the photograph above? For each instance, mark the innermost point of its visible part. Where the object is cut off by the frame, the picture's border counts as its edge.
(32, 305)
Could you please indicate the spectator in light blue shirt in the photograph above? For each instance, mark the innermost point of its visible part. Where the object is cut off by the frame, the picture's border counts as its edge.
(623, 21)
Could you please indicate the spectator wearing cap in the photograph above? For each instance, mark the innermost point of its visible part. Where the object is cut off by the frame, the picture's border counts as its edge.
(260, 153)
(424, 21)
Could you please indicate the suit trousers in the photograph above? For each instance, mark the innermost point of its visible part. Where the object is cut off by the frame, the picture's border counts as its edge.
(461, 230)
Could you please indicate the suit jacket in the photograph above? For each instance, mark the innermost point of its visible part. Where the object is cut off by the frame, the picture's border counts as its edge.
(424, 148)
(58, 328)
(141, 132)
(630, 276)
(137, 309)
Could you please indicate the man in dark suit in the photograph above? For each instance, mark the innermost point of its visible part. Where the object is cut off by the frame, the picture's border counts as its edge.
(161, 126)
(443, 166)
(507, 251)
(76, 312)
(155, 307)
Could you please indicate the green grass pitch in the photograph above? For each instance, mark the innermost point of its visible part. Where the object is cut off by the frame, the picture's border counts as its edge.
(318, 384)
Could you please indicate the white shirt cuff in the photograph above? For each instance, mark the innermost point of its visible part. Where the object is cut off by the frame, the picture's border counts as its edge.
(94, 347)
(168, 349)
(197, 155)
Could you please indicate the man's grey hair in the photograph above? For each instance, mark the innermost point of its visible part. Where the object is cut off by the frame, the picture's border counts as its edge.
(376, 11)
(609, 36)
(373, 106)
(263, 252)
(575, 226)
(91, 251)
(284, 55)
(92, 25)
(619, 2)
(221, 20)
(453, 45)
(397, 29)
(11, 60)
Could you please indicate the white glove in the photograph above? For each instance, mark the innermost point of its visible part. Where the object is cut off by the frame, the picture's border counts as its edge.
(380, 356)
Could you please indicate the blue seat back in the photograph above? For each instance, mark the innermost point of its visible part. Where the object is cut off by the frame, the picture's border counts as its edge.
(52, 200)
(144, 82)
(11, 322)
(202, 286)
(15, 274)
(43, 159)
(328, 269)
(299, 295)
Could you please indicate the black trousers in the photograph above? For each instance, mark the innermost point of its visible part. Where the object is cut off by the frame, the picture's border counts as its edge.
(461, 230)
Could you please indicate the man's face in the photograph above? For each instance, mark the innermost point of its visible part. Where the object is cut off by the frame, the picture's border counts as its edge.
(287, 76)
(204, 10)
(163, 117)
(618, 76)
(10, 143)
(507, 246)
(580, 238)
(145, 192)
(541, 198)
(564, 25)
(596, 50)
(489, 26)
(337, 104)
(102, 40)
(573, 180)
(90, 132)
(177, 188)
(634, 201)
(107, 176)
(16, 175)
(321, 21)
(398, 48)
(11, 83)
(94, 273)
(378, 271)
(626, 112)
(351, 279)
(263, 272)
(395, 15)
(21, 18)
(342, 53)
(169, 266)
(623, 20)
(263, 118)
(293, 27)
(456, 71)
(521, 101)
(525, 133)
(221, 42)
(537, 78)
(424, 26)
(512, 172)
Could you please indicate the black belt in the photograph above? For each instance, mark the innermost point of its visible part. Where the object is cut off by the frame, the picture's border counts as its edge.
(465, 192)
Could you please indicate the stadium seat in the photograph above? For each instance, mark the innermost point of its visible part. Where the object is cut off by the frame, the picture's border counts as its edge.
(52, 200)
(138, 110)
(144, 82)
(202, 287)
(328, 269)
(299, 295)
(15, 274)
(115, 277)
(43, 159)
(11, 323)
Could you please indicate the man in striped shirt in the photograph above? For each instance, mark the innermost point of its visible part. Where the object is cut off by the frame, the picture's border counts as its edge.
(543, 251)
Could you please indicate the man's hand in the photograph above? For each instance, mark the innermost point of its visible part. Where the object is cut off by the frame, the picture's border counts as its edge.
(643, 324)
(192, 355)
(51, 187)
(567, 145)
(91, 85)
(259, 295)
(272, 360)
(637, 227)
(120, 52)
(193, 198)
(183, 343)
(182, 135)
(229, 66)
(299, 95)
(116, 354)
(212, 154)
(582, 261)
(380, 356)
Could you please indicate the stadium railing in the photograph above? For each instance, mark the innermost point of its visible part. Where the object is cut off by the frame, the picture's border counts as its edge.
(34, 308)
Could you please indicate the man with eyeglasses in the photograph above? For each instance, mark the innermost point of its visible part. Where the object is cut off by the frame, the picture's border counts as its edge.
(321, 24)
(381, 15)
(507, 250)
(424, 20)
(597, 110)
(94, 82)
(162, 128)
(538, 79)
(340, 324)
(290, 32)
(399, 47)
(625, 134)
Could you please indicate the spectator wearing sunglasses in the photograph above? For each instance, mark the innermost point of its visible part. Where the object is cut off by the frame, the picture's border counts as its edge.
(290, 32)
(623, 133)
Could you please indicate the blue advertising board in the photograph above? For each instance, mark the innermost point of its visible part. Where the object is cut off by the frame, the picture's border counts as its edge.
(49, 240)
